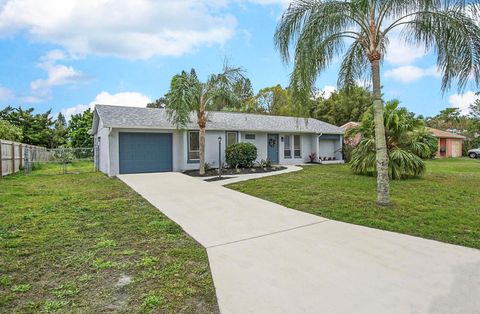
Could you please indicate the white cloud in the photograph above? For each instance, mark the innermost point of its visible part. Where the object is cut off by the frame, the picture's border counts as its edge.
(463, 101)
(410, 73)
(328, 91)
(399, 53)
(6, 94)
(132, 29)
(57, 74)
(130, 99)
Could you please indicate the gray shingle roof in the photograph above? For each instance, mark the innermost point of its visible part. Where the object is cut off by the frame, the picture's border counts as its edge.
(153, 118)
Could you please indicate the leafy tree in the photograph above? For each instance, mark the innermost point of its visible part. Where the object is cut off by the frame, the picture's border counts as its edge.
(10, 132)
(342, 106)
(275, 100)
(161, 102)
(59, 131)
(318, 31)
(189, 95)
(78, 129)
(475, 109)
(36, 128)
(407, 141)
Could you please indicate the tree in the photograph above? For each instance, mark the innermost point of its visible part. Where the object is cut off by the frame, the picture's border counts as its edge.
(407, 141)
(59, 131)
(475, 109)
(10, 132)
(161, 102)
(78, 129)
(275, 100)
(319, 30)
(342, 106)
(189, 95)
(36, 128)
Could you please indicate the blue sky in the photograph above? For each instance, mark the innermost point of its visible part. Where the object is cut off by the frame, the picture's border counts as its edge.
(67, 55)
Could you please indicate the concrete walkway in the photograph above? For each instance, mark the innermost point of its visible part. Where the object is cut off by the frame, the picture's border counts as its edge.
(266, 258)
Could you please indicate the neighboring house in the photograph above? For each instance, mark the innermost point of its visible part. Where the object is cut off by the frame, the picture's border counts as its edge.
(351, 140)
(131, 140)
(449, 144)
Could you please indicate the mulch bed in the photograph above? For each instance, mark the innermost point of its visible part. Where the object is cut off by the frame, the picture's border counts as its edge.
(218, 179)
(233, 171)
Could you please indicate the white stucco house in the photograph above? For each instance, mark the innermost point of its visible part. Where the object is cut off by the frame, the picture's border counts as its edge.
(136, 140)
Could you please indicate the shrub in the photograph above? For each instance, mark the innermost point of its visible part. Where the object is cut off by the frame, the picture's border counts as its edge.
(241, 155)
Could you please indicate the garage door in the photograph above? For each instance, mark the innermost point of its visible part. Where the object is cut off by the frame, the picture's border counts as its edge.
(145, 152)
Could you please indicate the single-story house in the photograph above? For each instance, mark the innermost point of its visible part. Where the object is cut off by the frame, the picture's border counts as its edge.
(449, 144)
(136, 140)
(353, 140)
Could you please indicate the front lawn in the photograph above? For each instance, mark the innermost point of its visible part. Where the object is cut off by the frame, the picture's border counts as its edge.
(86, 243)
(443, 205)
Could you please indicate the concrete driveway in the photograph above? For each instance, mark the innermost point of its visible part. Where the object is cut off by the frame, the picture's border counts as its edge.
(266, 258)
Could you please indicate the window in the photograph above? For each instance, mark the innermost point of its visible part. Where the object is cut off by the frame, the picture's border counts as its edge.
(193, 145)
(297, 152)
(287, 147)
(249, 136)
(231, 138)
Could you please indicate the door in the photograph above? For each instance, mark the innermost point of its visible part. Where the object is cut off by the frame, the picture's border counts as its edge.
(145, 152)
(272, 148)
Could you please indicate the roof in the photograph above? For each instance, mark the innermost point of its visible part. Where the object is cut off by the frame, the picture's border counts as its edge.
(444, 134)
(154, 118)
(350, 124)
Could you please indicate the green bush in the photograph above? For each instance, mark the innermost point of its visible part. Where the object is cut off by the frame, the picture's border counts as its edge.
(241, 155)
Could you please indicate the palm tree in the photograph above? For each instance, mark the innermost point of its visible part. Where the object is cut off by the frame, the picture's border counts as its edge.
(319, 30)
(189, 95)
(408, 143)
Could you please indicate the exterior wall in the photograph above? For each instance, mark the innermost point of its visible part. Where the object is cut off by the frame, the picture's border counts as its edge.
(102, 153)
(330, 146)
(453, 148)
(108, 151)
(306, 141)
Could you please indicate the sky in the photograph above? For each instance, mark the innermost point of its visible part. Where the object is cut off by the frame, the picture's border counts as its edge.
(67, 55)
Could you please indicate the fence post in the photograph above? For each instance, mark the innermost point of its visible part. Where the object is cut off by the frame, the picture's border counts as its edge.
(13, 158)
(1, 161)
(21, 157)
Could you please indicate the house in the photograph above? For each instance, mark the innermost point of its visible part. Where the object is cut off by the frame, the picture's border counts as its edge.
(135, 140)
(449, 144)
(353, 140)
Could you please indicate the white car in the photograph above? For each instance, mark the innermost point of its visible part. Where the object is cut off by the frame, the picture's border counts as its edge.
(474, 153)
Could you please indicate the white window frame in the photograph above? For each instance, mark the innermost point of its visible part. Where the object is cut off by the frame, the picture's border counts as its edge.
(287, 148)
(299, 146)
(227, 144)
(193, 160)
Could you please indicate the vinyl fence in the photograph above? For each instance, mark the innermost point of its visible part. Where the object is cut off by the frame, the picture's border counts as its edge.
(14, 155)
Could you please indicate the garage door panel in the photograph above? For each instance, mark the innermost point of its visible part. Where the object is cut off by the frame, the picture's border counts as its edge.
(145, 152)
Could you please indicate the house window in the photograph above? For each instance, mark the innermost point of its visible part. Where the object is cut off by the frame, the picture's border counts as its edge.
(297, 152)
(287, 147)
(193, 145)
(249, 136)
(231, 138)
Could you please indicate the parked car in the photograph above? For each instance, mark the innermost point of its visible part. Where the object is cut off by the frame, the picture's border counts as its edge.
(474, 153)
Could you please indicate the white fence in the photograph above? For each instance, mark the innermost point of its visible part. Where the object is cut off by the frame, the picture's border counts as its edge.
(12, 156)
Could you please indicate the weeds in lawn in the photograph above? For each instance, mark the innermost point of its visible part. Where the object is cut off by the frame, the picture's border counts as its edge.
(21, 288)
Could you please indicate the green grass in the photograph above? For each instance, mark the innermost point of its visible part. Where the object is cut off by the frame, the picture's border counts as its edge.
(443, 205)
(87, 243)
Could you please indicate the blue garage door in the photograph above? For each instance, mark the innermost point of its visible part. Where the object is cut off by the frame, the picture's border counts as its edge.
(145, 152)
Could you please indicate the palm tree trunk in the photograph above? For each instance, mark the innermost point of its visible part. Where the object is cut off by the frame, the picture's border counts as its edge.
(383, 189)
(202, 125)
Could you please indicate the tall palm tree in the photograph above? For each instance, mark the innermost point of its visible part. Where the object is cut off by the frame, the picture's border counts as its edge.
(189, 95)
(319, 30)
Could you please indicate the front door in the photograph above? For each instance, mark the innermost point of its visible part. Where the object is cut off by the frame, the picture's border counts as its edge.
(272, 148)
